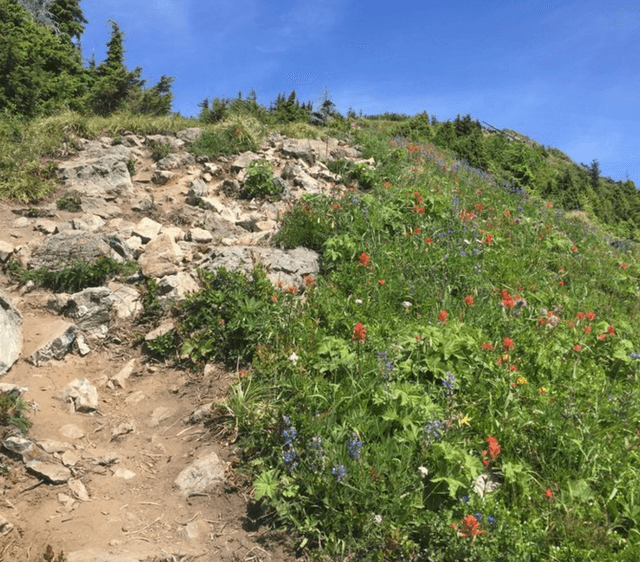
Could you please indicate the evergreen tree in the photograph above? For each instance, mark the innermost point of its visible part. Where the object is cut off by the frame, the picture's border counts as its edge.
(40, 10)
(40, 71)
(69, 18)
(594, 173)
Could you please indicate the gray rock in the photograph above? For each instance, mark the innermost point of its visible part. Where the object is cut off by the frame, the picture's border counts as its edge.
(242, 161)
(81, 395)
(51, 472)
(78, 489)
(190, 135)
(99, 172)
(198, 188)
(176, 160)
(160, 177)
(99, 206)
(200, 235)
(296, 149)
(17, 444)
(124, 373)
(126, 301)
(65, 248)
(8, 387)
(147, 229)
(56, 348)
(211, 168)
(159, 331)
(80, 345)
(5, 526)
(10, 333)
(284, 267)
(46, 226)
(175, 287)
(91, 309)
(6, 250)
(204, 474)
(194, 530)
(161, 257)
(144, 205)
(174, 143)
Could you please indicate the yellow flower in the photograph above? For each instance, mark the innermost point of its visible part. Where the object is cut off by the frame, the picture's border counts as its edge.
(465, 421)
(543, 390)
(521, 380)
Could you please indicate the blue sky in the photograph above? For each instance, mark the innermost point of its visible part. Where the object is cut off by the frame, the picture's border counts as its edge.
(567, 74)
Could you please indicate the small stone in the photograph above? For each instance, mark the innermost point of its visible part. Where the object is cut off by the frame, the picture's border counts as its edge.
(124, 473)
(124, 373)
(69, 458)
(135, 398)
(159, 415)
(54, 473)
(200, 235)
(78, 489)
(46, 226)
(81, 395)
(5, 526)
(71, 431)
(18, 445)
(160, 331)
(147, 229)
(201, 475)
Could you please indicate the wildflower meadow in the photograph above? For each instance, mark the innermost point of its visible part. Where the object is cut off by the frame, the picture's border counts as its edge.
(460, 381)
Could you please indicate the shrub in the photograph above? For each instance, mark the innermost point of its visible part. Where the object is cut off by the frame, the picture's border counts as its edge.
(259, 181)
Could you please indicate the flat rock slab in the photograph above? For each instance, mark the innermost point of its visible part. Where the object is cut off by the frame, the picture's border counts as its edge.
(99, 171)
(204, 474)
(65, 248)
(52, 472)
(10, 333)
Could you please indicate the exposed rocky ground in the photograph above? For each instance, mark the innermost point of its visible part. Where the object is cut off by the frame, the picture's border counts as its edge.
(123, 462)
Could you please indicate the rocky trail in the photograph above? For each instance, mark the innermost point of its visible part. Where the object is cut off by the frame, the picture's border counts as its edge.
(124, 461)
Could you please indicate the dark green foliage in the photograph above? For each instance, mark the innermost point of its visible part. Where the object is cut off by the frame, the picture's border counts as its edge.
(76, 276)
(11, 410)
(40, 71)
(152, 101)
(353, 172)
(259, 181)
(226, 319)
(160, 150)
(229, 140)
(68, 18)
(594, 173)
(70, 202)
(308, 223)
(218, 109)
(464, 136)
(289, 109)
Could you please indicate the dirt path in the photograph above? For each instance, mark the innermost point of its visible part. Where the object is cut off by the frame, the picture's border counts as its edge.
(128, 453)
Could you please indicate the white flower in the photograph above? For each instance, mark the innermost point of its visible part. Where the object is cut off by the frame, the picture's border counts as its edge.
(406, 304)
(378, 518)
(293, 358)
(358, 301)
(423, 471)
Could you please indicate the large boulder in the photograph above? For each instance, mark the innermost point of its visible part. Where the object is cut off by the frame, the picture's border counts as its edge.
(90, 308)
(64, 248)
(10, 333)
(99, 171)
(284, 267)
